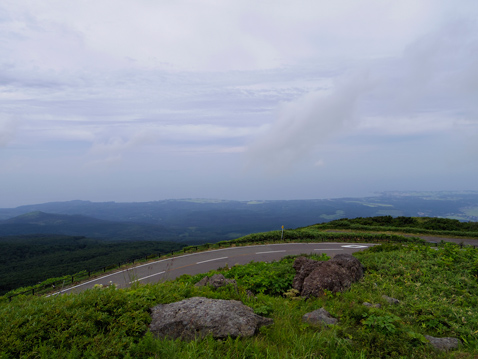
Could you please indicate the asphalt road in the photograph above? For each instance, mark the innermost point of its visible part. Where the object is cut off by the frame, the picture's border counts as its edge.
(202, 262)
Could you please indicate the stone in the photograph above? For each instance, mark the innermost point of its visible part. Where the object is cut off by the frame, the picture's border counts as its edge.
(351, 264)
(202, 282)
(443, 344)
(391, 300)
(329, 276)
(320, 317)
(216, 281)
(198, 317)
(303, 267)
(314, 277)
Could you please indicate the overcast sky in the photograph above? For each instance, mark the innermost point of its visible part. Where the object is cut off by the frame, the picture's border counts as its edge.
(122, 100)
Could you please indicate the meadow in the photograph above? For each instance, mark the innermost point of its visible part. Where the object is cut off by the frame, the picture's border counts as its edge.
(437, 289)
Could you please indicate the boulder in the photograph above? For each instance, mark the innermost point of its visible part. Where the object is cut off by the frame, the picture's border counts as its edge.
(351, 264)
(303, 267)
(329, 276)
(314, 277)
(443, 344)
(197, 317)
(320, 317)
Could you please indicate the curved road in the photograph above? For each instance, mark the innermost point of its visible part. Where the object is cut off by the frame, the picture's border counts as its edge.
(202, 262)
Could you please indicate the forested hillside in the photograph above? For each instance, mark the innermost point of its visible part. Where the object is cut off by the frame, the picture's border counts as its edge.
(27, 260)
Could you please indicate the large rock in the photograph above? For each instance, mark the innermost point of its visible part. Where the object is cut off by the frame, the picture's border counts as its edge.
(351, 264)
(336, 275)
(303, 267)
(197, 317)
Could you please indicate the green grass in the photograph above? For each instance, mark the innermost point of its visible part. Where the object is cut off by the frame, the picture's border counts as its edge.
(438, 290)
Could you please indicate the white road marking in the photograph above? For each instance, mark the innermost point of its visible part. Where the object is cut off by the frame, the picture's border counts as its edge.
(195, 254)
(149, 276)
(271, 252)
(354, 246)
(210, 260)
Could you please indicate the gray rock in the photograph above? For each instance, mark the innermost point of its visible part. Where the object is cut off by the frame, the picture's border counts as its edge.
(314, 277)
(320, 317)
(443, 344)
(367, 304)
(202, 282)
(328, 276)
(303, 267)
(216, 281)
(351, 264)
(197, 317)
(391, 300)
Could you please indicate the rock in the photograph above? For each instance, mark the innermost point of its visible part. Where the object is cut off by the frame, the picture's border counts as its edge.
(216, 281)
(329, 276)
(197, 317)
(303, 267)
(202, 282)
(391, 300)
(443, 344)
(336, 275)
(351, 264)
(367, 304)
(319, 316)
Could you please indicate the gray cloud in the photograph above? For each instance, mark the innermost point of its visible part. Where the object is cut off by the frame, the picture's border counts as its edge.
(306, 122)
(429, 88)
(145, 88)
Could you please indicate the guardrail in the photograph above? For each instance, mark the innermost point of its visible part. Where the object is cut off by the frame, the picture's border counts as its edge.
(40, 289)
(385, 238)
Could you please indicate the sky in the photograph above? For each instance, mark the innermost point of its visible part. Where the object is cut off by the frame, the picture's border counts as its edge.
(132, 101)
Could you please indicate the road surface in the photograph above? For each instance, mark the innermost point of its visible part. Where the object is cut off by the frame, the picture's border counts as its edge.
(202, 262)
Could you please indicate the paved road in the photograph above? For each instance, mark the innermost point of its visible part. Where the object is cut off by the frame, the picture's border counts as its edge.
(203, 262)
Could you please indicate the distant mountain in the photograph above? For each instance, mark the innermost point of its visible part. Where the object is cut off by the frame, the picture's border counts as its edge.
(199, 220)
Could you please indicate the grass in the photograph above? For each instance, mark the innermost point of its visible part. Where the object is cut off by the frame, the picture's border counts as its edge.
(438, 290)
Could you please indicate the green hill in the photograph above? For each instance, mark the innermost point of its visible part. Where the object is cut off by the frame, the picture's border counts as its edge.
(437, 289)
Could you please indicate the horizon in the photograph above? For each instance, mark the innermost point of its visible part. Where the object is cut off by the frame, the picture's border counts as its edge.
(133, 102)
(211, 200)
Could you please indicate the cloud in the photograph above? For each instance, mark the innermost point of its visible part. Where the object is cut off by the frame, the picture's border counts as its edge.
(204, 34)
(424, 91)
(306, 122)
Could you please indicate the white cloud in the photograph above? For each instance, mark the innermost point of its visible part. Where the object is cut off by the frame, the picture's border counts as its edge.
(190, 85)
(207, 35)
(422, 92)
(306, 122)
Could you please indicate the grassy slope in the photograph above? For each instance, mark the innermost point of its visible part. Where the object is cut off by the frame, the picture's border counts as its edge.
(438, 291)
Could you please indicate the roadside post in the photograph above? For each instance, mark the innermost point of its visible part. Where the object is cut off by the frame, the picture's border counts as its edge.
(282, 234)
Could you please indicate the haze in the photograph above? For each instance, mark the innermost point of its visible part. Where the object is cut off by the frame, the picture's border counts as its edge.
(147, 100)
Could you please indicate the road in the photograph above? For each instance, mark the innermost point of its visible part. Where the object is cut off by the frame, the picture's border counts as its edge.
(202, 262)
